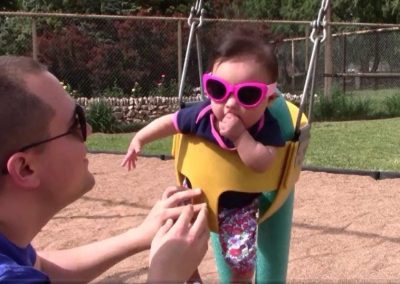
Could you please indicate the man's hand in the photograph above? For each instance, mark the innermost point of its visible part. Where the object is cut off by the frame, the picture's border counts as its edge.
(231, 127)
(169, 207)
(178, 249)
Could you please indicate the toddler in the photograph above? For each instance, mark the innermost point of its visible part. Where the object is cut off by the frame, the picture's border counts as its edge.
(239, 88)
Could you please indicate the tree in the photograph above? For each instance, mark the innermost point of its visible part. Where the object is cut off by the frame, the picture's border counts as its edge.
(113, 7)
(386, 11)
(8, 5)
(15, 35)
(372, 11)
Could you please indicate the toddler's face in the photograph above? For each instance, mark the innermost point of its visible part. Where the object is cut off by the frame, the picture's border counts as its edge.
(240, 70)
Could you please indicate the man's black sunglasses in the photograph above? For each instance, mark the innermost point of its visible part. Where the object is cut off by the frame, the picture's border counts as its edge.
(79, 121)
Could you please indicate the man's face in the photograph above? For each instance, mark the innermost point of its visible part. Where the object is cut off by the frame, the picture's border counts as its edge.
(62, 165)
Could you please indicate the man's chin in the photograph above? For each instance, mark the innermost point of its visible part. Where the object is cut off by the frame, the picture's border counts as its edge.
(88, 183)
(91, 182)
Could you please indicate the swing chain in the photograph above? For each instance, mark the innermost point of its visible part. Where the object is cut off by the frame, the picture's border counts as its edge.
(196, 14)
(195, 21)
(319, 25)
(317, 36)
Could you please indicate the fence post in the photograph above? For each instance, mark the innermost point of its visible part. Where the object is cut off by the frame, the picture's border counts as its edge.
(34, 40)
(344, 69)
(179, 51)
(376, 59)
(328, 55)
(293, 68)
(307, 59)
(306, 47)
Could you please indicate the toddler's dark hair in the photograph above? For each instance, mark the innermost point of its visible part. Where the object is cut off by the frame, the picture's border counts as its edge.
(245, 42)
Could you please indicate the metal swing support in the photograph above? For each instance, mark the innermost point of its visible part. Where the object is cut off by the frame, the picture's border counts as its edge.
(195, 21)
(317, 36)
(302, 133)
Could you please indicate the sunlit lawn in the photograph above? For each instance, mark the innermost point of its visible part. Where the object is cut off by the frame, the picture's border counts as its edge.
(367, 145)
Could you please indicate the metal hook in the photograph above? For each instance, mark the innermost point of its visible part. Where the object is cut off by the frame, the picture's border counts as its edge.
(196, 14)
(203, 11)
(318, 25)
(198, 7)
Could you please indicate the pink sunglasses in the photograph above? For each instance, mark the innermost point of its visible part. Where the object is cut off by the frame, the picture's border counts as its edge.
(247, 94)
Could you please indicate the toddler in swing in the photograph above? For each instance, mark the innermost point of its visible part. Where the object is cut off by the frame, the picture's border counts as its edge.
(239, 88)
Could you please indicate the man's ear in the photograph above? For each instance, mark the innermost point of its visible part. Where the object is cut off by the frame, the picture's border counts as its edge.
(20, 169)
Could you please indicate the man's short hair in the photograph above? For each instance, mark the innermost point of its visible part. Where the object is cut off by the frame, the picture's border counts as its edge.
(24, 117)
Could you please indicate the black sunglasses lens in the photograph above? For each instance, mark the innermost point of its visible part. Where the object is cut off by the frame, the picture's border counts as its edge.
(215, 89)
(82, 121)
(249, 95)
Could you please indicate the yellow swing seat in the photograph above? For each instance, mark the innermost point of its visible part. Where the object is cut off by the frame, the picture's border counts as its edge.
(216, 170)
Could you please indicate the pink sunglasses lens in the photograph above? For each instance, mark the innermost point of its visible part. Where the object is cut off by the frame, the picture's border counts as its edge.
(249, 95)
(215, 89)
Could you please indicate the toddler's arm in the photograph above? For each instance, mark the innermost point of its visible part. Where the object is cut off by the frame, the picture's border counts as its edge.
(254, 154)
(158, 128)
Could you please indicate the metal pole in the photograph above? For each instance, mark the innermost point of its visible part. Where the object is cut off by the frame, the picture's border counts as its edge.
(311, 97)
(306, 48)
(186, 62)
(328, 56)
(306, 51)
(317, 36)
(179, 51)
(293, 67)
(200, 62)
(344, 62)
(307, 82)
(34, 40)
(194, 24)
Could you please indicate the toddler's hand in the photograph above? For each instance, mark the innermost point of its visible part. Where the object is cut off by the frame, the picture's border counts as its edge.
(132, 154)
(231, 127)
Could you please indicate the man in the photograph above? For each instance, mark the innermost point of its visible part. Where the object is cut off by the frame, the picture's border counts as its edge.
(44, 168)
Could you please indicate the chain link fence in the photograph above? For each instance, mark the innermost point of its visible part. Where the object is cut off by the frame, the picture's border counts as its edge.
(122, 56)
(361, 59)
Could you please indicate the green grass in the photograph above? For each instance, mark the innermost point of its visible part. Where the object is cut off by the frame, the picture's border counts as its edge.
(364, 145)
(120, 143)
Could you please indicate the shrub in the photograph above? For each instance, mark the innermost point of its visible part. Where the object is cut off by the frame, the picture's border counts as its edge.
(137, 91)
(165, 88)
(392, 104)
(67, 87)
(114, 91)
(343, 107)
(327, 109)
(124, 127)
(100, 116)
(358, 108)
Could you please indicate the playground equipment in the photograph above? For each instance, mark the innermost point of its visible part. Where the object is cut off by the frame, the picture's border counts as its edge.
(215, 170)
